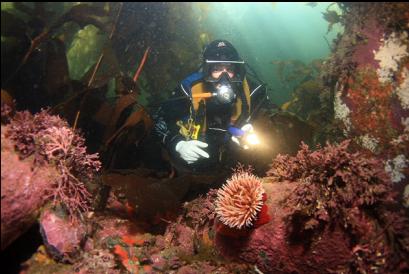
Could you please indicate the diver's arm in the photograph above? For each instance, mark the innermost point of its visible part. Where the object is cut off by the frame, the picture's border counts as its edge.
(175, 109)
(172, 110)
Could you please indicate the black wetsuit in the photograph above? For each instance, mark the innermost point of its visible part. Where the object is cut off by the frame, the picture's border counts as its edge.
(218, 117)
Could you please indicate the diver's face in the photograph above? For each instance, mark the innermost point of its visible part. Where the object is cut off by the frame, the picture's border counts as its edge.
(219, 69)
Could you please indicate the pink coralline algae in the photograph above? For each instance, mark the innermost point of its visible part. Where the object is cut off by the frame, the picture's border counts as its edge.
(50, 139)
(333, 181)
(67, 150)
(335, 187)
(25, 127)
(371, 102)
(333, 211)
(369, 41)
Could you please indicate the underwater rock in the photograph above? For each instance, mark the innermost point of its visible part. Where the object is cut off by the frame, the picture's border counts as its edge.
(368, 42)
(369, 71)
(51, 141)
(43, 160)
(207, 267)
(337, 197)
(97, 261)
(281, 247)
(155, 199)
(159, 263)
(271, 248)
(114, 226)
(332, 210)
(390, 55)
(62, 237)
(24, 189)
(185, 239)
(149, 197)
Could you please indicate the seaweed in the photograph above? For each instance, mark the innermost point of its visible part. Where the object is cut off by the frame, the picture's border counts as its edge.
(338, 187)
(49, 139)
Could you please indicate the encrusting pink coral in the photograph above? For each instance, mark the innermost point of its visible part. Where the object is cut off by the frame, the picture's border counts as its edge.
(336, 187)
(50, 139)
(25, 127)
(333, 180)
(66, 149)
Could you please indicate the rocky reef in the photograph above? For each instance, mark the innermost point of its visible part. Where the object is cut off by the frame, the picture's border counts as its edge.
(326, 210)
(43, 160)
(367, 73)
(340, 207)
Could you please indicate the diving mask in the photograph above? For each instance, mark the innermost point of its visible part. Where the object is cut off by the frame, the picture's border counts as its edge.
(213, 70)
(218, 69)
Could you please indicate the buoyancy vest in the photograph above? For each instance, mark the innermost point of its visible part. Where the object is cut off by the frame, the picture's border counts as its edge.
(194, 87)
(199, 88)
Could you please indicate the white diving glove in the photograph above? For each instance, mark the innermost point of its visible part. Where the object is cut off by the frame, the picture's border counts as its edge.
(191, 151)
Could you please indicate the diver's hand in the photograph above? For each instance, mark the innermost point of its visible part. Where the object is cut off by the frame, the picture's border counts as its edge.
(191, 151)
(247, 128)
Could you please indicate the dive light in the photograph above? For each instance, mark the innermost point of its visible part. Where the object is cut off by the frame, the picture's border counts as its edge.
(244, 138)
(250, 139)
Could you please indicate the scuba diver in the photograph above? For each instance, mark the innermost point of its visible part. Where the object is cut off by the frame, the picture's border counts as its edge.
(209, 113)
